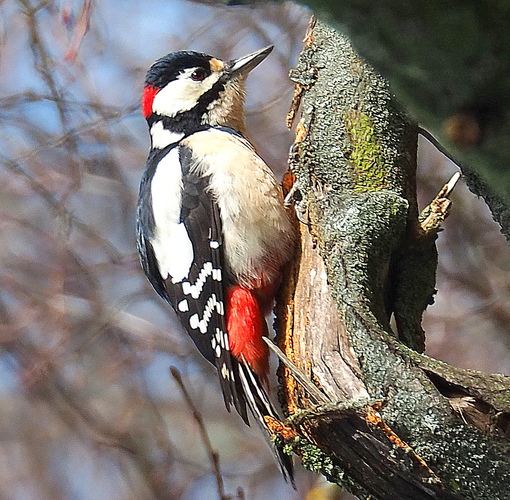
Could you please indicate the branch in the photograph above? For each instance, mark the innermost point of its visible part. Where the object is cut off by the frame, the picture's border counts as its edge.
(404, 425)
(213, 454)
(449, 65)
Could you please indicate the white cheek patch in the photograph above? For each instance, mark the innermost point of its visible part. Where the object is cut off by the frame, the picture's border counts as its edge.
(182, 94)
(162, 137)
(171, 243)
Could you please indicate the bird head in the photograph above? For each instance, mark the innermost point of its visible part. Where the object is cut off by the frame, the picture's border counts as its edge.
(190, 90)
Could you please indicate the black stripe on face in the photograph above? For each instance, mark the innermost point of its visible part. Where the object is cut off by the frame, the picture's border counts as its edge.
(188, 122)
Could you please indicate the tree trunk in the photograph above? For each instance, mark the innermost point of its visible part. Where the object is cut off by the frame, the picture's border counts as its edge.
(398, 425)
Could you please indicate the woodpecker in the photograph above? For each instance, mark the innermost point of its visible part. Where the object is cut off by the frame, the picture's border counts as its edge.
(212, 231)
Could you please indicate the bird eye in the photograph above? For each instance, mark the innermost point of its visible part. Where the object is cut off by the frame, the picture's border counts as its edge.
(198, 75)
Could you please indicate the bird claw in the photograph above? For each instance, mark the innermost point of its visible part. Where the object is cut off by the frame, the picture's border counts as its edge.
(294, 197)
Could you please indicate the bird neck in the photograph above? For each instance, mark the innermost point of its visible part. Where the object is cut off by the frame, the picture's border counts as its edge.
(228, 110)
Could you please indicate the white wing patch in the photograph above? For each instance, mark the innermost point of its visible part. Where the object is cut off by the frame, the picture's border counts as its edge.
(171, 242)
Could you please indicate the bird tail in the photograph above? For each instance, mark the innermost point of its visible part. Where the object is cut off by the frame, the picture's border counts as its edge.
(260, 407)
(249, 363)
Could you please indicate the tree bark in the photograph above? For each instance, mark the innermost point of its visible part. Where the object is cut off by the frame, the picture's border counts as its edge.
(399, 425)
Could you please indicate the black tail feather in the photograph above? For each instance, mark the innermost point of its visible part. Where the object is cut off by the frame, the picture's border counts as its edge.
(260, 407)
(231, 387)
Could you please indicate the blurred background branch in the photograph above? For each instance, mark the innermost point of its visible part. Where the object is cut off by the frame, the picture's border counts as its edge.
(88, 408)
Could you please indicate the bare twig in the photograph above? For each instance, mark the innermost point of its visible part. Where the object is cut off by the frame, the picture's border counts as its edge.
(60, 209)
(320, 398)
(79, 31)
(213, 454)
(436, 212)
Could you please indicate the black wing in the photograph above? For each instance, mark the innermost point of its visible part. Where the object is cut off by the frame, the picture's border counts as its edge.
(198, 299)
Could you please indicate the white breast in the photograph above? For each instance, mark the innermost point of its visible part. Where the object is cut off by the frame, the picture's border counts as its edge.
(257, 230)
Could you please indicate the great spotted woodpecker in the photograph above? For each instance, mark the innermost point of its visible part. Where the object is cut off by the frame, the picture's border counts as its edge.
(213, 233)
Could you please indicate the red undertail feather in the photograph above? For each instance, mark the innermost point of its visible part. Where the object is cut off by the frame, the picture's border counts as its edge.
(246, 326)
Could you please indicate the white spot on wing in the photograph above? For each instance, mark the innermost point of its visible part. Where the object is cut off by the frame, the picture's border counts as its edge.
(218, 336)
(194, 321)
(202, 324)
(161, 137)
(225, 372)
(171, 242)
(220, 309)
(183, 306)
(214, 244)
(196, 288)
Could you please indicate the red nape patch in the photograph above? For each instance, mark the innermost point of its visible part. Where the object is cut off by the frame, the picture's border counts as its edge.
(246, 326)
(149, 93)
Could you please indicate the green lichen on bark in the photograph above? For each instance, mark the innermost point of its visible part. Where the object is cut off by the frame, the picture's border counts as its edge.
(375, 136)
(448, 63)
(370, 151)
(315, 460)
(369, 172)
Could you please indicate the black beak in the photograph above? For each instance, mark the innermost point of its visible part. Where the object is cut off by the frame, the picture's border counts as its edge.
(245, 64)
